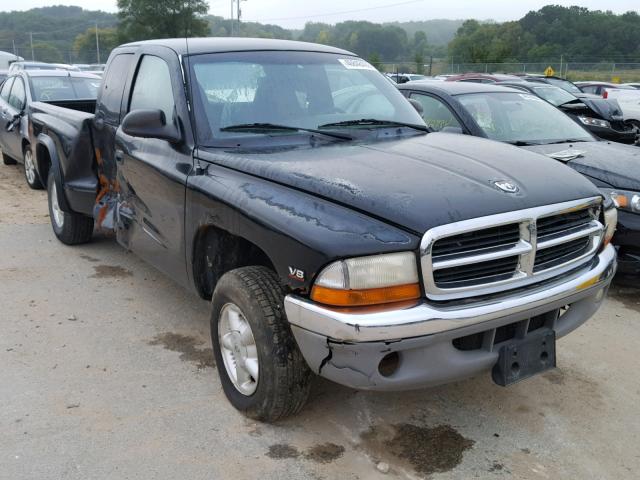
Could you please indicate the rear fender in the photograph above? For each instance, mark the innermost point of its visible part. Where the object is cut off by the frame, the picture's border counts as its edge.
(46, 142)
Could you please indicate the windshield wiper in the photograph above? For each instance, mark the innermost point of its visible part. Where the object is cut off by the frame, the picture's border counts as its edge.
(374, 122)
(272, 127)
(523, 143)
(567, 140)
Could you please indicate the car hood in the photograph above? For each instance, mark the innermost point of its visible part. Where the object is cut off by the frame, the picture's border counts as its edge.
(615, 164)
(418, 182)
(607, 109)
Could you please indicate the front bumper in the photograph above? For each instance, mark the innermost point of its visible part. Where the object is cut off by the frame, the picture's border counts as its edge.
(349, 346)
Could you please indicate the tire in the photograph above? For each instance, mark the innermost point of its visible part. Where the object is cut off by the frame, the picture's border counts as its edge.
(284, 379)
(70, 228)
(7, 160)
(30, 172)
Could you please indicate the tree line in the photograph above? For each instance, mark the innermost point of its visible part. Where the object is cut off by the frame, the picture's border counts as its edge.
(68, 34)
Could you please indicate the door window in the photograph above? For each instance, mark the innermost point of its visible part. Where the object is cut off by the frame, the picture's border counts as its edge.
(435, 113)
(113, 87)
(6, 88)
(152, 88)
(17, 99)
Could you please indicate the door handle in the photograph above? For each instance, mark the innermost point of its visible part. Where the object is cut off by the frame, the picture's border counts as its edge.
(119, 156)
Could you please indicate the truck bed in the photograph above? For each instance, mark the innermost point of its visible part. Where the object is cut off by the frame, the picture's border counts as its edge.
(68, 125)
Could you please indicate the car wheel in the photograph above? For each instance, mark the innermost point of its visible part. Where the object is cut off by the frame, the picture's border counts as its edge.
(262, 371)
(7, 160)
(70, 228)
(30, 173)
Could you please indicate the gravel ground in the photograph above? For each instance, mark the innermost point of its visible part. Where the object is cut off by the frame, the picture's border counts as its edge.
(107, 373)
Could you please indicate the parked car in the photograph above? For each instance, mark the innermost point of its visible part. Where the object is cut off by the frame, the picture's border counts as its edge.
(24, 87)
(481, 78)
(562, 83)
(507, 115)
(627, 96)
(405, 77)
(16, 66)
(602, 117)
(333, 233)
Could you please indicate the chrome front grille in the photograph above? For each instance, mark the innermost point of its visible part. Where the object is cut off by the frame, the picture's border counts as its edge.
(501, 252)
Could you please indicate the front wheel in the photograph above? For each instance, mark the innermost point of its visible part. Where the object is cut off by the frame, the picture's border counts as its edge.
(262, 371)
(30, 173)
(70, 228)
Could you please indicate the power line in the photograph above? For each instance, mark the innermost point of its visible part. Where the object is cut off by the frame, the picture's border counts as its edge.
(343, 12)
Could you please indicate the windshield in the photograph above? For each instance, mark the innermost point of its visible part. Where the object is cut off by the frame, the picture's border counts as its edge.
(47, 89)
(298, 89)
(554, 95)
(564, 84)
(521, 117)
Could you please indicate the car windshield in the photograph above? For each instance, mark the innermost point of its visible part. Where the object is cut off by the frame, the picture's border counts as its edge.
(46, 89)
(295, 89)
(521, 118)
(564, 84)
(554, 95)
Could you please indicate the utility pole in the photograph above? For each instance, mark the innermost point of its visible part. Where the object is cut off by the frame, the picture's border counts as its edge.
(97, 44)
(231, 18)
(238, 16)
(15, 52)
(33, 57)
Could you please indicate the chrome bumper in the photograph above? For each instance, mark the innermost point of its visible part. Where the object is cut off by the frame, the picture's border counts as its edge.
(428, 319)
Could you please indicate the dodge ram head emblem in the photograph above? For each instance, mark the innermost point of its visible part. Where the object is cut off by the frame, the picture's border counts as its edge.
(506, 186)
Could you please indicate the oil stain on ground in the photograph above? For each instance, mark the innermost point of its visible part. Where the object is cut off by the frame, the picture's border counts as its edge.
(202, 357)
(426, 450)
(110, 271)
(322, 453)
(89, 258)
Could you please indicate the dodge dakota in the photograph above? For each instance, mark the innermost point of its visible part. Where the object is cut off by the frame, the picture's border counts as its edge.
(293, 186)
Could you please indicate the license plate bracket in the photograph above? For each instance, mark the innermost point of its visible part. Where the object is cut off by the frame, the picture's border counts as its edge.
(526, 357)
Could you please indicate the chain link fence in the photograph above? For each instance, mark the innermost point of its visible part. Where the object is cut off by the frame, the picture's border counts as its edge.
(601, 71)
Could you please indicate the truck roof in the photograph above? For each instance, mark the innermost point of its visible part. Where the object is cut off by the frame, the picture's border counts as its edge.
(234, 44)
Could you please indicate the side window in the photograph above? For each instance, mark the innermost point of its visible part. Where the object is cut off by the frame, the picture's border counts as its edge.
(589, 89)
(152, 88)
(435, 113)
(18, 98)
(113, 87)
(6, 88)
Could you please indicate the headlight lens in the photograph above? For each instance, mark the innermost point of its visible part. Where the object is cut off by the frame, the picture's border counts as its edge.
(595, 122)
(370, 280)
(624, 199)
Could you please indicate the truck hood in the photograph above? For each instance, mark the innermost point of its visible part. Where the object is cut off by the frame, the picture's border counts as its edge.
(615, 164)
(416, 183)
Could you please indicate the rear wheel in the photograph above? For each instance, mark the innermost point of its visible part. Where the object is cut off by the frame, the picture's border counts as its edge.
(70, 228)
(30, 173)
(261, 369)
(7, 160)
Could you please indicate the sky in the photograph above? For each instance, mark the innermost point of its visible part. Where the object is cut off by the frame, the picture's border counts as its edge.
(295, 13)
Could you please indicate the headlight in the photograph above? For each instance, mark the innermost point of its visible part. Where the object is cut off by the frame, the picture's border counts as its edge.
(624, 199)
(371, 280)
(594, 122)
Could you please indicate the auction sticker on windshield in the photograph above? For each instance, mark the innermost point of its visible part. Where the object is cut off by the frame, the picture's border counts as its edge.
(356, 64)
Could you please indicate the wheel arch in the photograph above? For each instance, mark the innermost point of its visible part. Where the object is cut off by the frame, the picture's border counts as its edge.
(216, 251)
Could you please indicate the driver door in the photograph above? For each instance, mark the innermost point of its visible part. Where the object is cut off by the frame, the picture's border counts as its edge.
(11, 94)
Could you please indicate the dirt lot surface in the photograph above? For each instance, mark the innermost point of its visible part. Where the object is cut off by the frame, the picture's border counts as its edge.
(107, 373)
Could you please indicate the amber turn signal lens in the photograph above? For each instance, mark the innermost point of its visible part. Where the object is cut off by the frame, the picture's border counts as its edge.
(370, 296)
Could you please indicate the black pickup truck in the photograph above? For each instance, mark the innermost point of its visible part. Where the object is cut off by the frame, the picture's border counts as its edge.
(295, 187)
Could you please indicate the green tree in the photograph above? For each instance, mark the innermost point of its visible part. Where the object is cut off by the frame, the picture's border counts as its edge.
(144, 19)
(45, 52)
(419, 59)
(84, 46)
(374, 59)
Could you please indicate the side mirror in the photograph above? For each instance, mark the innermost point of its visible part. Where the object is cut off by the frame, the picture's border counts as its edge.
(417, 105)
(150, 124)
(11, 124)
